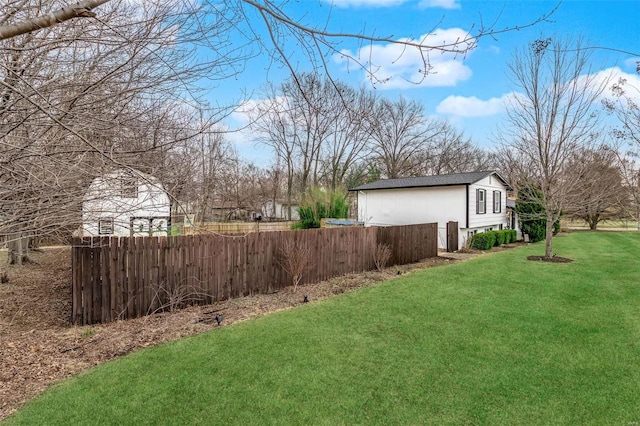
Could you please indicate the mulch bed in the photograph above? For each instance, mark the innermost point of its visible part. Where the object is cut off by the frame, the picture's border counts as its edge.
(39, 347)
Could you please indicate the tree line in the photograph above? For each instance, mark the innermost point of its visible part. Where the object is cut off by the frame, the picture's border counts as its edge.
(117, 84)
(336, 136)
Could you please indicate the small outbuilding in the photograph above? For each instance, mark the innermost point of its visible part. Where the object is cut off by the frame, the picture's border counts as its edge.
(279, 210)
(126, 202)
(461, 203)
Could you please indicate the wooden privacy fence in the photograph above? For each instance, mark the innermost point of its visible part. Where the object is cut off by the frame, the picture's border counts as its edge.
(236, 227)
(127, 277)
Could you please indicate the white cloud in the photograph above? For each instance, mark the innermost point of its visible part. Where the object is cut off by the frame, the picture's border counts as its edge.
(401, 66)
(494, 49)
(630, 82)
(471, 106)
(443, 4)
(251, 109)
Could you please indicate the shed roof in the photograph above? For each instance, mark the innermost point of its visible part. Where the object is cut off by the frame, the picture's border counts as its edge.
(430, 181)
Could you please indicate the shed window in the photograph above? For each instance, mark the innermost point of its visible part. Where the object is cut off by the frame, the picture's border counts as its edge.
(105, 226)
(128, 185)
(481, 201)
(497, 201)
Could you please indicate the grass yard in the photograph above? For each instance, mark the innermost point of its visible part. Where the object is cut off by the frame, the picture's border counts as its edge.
(494, 340)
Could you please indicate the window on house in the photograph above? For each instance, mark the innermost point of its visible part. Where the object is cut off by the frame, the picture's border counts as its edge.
(497, 202)
(481, 201)
(105, 226)
(128, 186)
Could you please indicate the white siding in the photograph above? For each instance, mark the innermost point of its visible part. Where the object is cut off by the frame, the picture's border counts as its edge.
(404, 206)
(489, 218)
(279, 210)
(104, 201)
(412, 206)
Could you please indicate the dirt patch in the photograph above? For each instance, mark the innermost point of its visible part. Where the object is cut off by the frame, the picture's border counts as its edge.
(39, 347)
(554, 259)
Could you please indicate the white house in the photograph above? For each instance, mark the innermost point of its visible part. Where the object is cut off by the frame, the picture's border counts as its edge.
(279, 210)
(475, 200)
(125, 203)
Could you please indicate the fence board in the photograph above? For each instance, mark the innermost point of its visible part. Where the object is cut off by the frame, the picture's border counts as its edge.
(76, 285)
(95, 280)
(126, 277)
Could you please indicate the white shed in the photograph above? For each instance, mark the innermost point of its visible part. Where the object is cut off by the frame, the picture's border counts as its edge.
(475, 200)
(126, 202)
(279, 210)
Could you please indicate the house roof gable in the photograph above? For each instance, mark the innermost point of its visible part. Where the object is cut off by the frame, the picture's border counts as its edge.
(430, 181)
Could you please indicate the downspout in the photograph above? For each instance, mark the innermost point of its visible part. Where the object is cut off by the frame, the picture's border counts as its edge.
(467, 211)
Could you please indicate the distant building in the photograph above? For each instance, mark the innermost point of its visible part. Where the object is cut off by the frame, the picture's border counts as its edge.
(126, 202)
(279, 210)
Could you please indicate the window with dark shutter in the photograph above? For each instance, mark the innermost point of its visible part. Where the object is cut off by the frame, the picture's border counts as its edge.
(481, 201)
(497, 201)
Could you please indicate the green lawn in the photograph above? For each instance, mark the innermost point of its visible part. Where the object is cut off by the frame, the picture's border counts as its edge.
(495, 340)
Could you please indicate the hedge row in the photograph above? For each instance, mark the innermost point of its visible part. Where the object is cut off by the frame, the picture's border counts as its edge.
(486, 240)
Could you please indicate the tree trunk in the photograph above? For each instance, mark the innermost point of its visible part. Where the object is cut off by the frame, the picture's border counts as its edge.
(289, 193)
(18, 247)
(548, 251)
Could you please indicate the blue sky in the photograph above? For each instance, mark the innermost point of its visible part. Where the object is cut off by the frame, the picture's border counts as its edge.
(466, 90)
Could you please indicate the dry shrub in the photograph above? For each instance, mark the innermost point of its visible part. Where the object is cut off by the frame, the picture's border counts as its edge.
(294, 258)
(381, 255)
(172, 297)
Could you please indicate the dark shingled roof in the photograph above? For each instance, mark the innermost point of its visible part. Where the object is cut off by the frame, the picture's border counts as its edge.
(428, 181)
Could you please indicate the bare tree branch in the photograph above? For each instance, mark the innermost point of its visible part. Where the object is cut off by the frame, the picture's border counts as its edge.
(82, 9)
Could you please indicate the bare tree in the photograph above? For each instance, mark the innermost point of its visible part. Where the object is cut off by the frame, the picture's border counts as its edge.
(629, 169)
(271, 189)
(243, 189)
(600, 194)
(401, 136)
(550, 121)
(631, 185)
(624, 106)
(275, 127)
(80, 99)
(311, 120)
(451, 152)
(80, 96)
(348, 141)
(216, 163)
